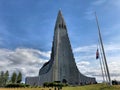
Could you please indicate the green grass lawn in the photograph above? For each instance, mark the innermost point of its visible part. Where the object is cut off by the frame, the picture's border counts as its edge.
(86, 87)
(94, 87)
(26, 88)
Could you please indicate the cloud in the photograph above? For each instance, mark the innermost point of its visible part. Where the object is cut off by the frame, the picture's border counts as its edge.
(26, 60)
(89, 13)
(88, 65)
(29, 61)
(107, 8)
(112, 32)
(82, 63)
(98, 2)
(85, 48)
(115, 3)
(85, 52)
(94, 70)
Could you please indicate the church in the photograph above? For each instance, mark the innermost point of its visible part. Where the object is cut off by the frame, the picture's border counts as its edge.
(61, 66)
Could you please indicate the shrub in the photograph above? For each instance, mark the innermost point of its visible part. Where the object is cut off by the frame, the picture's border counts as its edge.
(16, 85)
(54, 84)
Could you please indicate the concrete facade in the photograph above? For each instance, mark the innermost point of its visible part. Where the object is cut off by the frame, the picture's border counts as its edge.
(61, 66)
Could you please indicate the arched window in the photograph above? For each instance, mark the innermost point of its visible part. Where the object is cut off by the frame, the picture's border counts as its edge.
(59, 25)
(64, 27)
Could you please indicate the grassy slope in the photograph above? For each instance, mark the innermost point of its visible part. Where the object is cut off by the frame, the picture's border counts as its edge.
(26, 89)
(93, 87)
(87, 87)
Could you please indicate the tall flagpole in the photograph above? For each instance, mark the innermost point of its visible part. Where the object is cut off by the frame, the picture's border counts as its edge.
(100, 59)
(101, 69)
(103, 63)
(102, 47)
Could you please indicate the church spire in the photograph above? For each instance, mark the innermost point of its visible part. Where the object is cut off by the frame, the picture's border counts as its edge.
(60, 20)
(61, 66)
(62, 51)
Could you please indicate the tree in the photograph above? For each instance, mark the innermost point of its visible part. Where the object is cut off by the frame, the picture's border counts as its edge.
(2, 79)
(6, 76)
(19, 77)
(2, 73)
(14, 77)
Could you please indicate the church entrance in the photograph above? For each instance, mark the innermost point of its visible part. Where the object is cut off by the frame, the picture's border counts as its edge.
(64, 81)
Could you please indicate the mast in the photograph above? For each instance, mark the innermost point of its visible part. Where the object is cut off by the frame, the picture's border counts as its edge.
(103, 64)
(103, 51)
(102, 69)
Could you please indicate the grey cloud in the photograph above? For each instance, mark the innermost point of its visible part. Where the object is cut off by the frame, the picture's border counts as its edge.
(90, 69)
(29, 61)
(26, 60)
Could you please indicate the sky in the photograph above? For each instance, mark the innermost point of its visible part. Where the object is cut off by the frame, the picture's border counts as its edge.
(27, 27)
